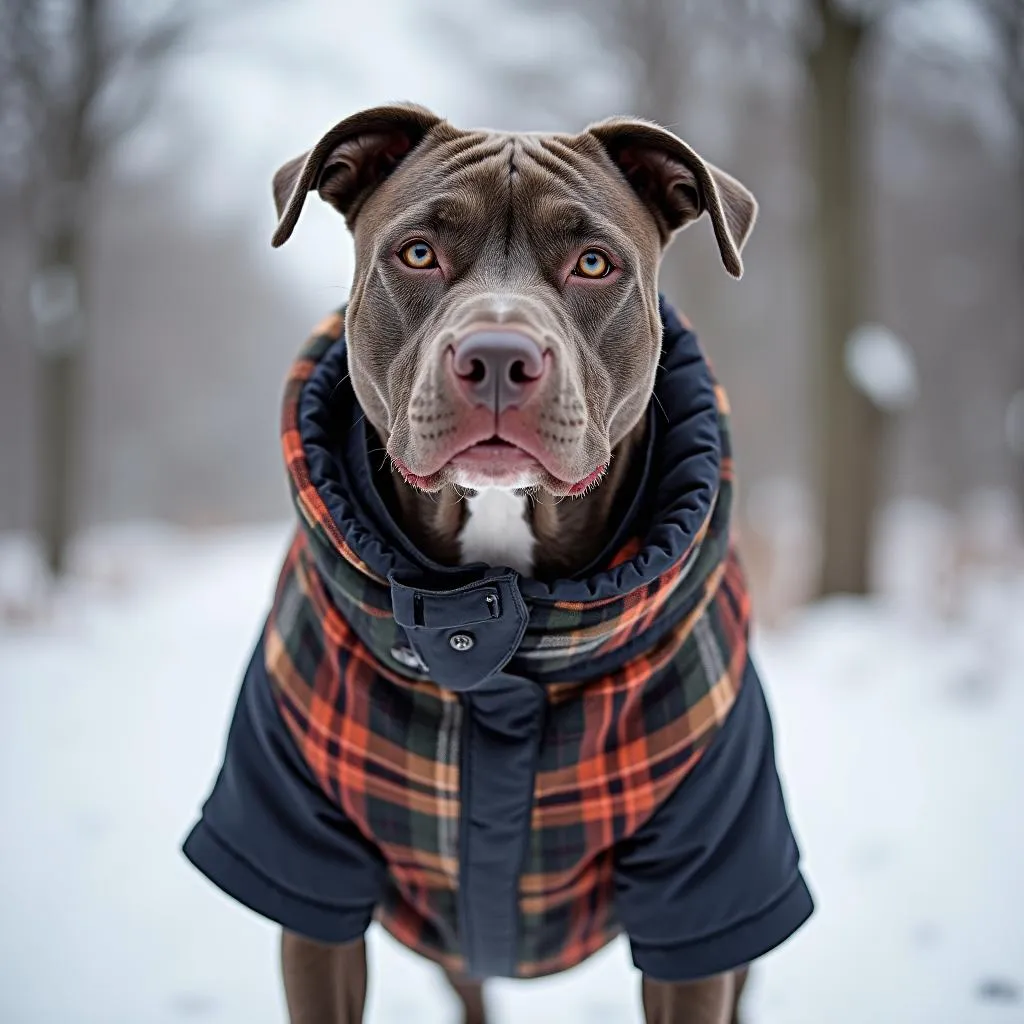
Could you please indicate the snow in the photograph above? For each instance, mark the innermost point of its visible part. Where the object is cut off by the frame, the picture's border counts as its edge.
(898, 736)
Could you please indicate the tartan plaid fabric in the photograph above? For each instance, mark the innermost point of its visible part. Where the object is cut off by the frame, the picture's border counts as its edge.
(636, 686)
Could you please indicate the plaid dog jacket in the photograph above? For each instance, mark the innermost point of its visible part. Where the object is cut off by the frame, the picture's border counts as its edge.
(507, 773)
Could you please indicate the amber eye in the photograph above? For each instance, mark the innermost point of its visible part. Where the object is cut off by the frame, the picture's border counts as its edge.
(418, 255)
(593, 263)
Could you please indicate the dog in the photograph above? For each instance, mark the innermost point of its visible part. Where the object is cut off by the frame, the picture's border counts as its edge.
(504, 701)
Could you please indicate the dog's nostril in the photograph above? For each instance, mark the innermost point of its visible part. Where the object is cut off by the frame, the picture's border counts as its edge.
(477, 371)
(517, 373)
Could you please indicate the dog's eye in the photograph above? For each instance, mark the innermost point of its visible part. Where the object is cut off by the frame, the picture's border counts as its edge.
(593, 263)
(418, 255)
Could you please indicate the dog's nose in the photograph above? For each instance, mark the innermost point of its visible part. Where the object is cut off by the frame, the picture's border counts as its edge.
(498, 369)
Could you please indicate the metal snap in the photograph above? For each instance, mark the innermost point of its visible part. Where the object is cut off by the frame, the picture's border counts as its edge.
(461, 641)
(408, 657)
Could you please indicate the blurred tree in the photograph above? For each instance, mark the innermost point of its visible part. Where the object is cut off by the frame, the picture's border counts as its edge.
(830, 38)
(1006, 20)
(646, 36)
(76, 76)
(850, 426)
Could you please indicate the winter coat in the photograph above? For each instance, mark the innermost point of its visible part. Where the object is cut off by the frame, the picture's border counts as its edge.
(508, 773)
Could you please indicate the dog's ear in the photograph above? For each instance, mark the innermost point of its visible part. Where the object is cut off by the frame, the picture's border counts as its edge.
(349, 162)
(678, 186)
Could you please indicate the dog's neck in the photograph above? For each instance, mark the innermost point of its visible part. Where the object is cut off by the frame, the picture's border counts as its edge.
(530, 531)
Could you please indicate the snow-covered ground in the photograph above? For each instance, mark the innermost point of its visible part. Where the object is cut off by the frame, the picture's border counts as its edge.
(901, 739)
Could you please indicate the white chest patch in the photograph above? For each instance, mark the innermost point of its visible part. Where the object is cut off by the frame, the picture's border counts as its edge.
(496, 530)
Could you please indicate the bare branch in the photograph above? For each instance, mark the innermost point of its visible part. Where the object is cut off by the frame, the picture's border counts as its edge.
(136, 65)
(134, 69)
(83, 73)
(25, 44)
(1006, 21)
(144, 51)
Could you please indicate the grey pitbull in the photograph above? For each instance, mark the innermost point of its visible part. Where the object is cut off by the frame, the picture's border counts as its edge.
(503, 336)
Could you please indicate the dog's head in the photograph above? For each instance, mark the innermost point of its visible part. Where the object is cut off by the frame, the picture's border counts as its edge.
(503, 324)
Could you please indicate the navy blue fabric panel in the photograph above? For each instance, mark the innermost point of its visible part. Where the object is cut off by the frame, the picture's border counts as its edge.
(488, 617)
(503, 724)
(742, 944)
(270, 838)
(712, 881)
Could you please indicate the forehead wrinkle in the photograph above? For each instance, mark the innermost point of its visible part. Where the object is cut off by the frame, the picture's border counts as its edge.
(437, 213)
(575, 174)
(541, 157)
(471, 153)
(575, 221)
(560, 148)
(592, 184)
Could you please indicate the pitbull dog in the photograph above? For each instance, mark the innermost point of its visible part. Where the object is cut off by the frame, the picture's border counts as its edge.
(503, 335)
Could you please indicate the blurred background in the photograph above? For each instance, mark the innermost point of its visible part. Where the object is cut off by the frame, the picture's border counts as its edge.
(874, 357)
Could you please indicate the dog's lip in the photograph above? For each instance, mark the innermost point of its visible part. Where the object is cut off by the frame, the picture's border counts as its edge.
(591, 478)
(495, 444)
(493, 448)
(497, 461)
(512, 433)
(512, 459)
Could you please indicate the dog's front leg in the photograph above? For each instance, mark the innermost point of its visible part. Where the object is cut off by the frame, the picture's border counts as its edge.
(708, 1001)
(323, 984)
(471, 995)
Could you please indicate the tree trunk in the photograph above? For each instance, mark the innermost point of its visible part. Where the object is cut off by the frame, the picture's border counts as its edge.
(1014, 89)
(68, 149)
(849, 427)
(1019, 453)
(56, 299)
(650, 29)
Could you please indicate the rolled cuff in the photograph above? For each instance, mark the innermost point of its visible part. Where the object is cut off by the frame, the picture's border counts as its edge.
(238, 879)
(735, 947)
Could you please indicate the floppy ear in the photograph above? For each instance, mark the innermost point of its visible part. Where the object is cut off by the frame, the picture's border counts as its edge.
(349, 162)
(678, 186)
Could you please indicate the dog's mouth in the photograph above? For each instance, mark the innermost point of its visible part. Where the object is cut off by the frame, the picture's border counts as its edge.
(497, 462)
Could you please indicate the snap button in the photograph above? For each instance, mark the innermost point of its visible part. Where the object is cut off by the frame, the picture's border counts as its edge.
(464, 635)
(408, 657)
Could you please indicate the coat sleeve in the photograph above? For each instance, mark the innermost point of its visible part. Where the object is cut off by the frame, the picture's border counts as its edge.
(712, 881)
(269, 837)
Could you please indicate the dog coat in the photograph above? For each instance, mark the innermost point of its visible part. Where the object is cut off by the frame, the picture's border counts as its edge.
(507, 773)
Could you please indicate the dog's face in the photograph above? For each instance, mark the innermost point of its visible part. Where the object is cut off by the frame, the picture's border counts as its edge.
(503, 324)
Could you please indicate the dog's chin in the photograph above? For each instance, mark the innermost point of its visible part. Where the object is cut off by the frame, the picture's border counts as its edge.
(502, 466)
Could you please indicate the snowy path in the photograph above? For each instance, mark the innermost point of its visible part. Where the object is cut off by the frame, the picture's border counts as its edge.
(900, 740)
